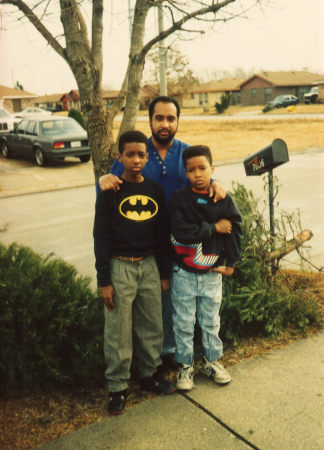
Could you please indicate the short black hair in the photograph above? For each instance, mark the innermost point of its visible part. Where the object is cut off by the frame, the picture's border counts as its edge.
(131, 136)
(163, 99)
(196, 150)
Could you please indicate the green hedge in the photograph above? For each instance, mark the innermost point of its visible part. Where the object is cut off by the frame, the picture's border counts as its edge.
(51, 322)
(77, 115)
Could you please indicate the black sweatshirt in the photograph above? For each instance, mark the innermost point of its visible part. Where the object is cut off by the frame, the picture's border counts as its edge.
(197, 245)
(131, 222)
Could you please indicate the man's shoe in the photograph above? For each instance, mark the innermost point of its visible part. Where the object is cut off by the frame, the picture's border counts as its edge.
(185, 378)
(216, 371)
(117, 402)
(157, 384)
(169, 363)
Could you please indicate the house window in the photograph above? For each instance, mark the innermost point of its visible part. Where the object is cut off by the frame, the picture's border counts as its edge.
(253, 92)
(206, 97)
(192, 96)
(200, 99)
(267, 94)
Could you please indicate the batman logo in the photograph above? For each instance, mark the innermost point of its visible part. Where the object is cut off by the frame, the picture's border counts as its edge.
(138, 208)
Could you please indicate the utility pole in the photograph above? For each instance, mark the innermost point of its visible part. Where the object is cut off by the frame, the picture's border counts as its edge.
(162, 56)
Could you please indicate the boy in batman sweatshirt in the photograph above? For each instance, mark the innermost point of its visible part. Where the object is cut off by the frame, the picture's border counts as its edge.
(206, 239)
(131, 244)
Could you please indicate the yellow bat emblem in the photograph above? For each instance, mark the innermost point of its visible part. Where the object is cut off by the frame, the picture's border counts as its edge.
(138, 208)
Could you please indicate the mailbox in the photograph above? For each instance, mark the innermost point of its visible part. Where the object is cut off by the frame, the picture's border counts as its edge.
(267, 159)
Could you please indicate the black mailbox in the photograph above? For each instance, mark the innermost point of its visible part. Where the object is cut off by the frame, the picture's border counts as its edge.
(267, 159)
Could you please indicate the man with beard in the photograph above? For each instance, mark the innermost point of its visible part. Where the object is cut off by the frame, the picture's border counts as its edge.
(165, 167)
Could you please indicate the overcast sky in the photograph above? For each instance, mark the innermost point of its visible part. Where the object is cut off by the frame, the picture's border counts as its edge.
(287, 35)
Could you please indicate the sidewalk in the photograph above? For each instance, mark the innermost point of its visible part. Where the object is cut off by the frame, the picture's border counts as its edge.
(274, 402)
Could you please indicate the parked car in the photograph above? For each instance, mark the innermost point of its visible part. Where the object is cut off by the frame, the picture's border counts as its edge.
(311, 96)
(31, 112)
(284, 100)
(46, 138)
(7, 121)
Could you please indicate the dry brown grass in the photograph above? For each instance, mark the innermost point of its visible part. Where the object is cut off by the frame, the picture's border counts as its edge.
(235, 138)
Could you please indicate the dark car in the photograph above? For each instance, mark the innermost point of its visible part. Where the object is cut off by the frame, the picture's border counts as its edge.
(46, 138)
(284, 100)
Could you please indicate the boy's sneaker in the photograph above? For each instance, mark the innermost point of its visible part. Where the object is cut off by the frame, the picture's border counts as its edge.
(117, 402)
(216, 371)
(185, 378)
(157, 384)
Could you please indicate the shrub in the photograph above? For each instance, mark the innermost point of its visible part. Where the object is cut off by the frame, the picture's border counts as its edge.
(50, 322)
(255, 300)
(77, 115)
(224, 104)
(267, 108)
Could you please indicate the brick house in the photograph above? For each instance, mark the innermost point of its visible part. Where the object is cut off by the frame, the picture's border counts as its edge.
(264, 87)
(14, 100)
(52, 101)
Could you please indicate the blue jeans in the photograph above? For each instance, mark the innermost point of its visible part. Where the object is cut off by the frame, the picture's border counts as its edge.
(196, 293)
(169, 345)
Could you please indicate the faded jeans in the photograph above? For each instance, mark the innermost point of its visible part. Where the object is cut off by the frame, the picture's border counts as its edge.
(199, 294)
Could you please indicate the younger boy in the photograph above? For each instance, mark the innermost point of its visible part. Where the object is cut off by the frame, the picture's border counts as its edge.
(204, 235)
(131, 243)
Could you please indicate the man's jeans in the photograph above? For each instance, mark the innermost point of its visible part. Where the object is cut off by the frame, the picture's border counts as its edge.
(201, 293)
(169, 345)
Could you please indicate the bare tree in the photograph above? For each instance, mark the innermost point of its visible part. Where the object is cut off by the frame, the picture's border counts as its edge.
(178, 71)
(83, 54)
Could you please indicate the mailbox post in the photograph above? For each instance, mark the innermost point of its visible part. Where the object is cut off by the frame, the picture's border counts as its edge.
(265, 160)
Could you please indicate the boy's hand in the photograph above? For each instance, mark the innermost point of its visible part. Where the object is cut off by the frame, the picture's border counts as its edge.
(165, 285)
(110, 182)
(107, 293)
(217, 191)
(224, 270)
(223, 226)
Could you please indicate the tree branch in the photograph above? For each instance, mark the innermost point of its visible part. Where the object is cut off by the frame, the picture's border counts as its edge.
(177, 25)
(97, 29)
(31, 16)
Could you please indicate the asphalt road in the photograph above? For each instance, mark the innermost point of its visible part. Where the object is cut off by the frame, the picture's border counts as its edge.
(61, 221)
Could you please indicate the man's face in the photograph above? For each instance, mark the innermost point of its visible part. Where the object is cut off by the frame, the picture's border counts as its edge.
(164, 122)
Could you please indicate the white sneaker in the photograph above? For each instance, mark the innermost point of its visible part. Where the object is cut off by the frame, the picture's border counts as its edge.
(216, 371)
(185, 377)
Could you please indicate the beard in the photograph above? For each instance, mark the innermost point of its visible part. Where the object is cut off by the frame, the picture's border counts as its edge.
(163, 139)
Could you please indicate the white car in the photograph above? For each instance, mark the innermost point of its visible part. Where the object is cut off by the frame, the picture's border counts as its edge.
(32, 111)
(7, 121)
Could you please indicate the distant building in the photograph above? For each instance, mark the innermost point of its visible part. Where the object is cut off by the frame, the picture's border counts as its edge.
(264, 87)
(50, 102)
(14, 100)
(207, 94)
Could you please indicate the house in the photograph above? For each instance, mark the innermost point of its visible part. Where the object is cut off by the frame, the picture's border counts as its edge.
(207, 94)
(264, 87)
(109, 97)
(50, 102)
(71, 101)
(14, 100)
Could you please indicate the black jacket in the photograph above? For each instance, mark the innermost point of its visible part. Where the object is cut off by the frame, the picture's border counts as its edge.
(197, 246)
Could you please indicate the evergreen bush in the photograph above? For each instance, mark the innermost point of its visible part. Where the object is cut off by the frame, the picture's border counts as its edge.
(77, 115)
(255, 300)
(267, 108)
(51, 322)
(224, 104)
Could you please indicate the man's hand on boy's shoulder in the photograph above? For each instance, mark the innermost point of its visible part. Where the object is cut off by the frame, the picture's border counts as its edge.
(165, 285)
(107, 293)
(224, 270)
(110, 182)
(216, 191)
